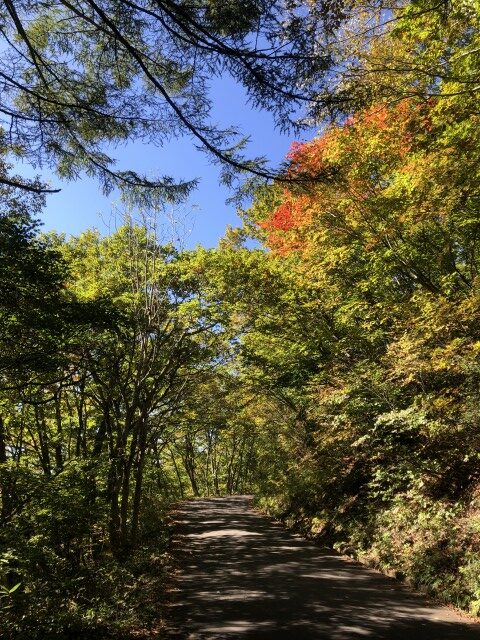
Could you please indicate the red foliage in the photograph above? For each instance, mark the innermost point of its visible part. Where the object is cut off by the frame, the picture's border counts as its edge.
(307, 158)
(282, 218)
(386, 133)
(295, 150)
(290, 214)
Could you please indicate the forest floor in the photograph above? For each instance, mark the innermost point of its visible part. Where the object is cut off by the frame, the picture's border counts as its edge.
(241, 575)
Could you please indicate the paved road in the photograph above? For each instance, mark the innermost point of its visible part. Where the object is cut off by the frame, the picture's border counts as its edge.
(242, 576)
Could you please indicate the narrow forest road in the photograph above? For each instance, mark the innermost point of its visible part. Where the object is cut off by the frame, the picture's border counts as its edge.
(243, 576)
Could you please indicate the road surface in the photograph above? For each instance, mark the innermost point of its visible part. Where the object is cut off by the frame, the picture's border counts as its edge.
(243, 576)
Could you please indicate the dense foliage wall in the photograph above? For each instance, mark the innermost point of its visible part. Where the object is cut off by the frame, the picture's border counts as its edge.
(115, 400)
(379, 231)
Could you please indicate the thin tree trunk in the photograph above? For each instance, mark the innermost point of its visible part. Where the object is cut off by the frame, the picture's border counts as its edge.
(189, 464)
(3, 444)
(6, 484)
(43, 440)
(177, 471)
(58, 444)
(114, 485)
(137, 496)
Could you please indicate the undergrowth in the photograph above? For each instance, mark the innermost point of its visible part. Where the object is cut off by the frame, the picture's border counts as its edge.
(71, 587)
(433, 545)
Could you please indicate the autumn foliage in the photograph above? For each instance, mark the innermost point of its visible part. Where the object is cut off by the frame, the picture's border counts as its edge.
(371, 151)
(379, 232)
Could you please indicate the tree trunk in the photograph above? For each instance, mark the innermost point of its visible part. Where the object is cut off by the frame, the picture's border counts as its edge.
(177, 471)
(3, 443)
(58, 444)
(114, 488)
(114, 485)
(6, 482)
(189, 464)
(137, 496)
(42, 431)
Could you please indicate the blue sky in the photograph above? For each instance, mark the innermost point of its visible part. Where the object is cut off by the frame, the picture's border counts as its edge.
(81, 205)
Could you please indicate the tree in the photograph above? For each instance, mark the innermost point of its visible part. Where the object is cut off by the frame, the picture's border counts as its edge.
(40, 321)
(31, 283)
(79, 77)
(140, 376)
(380, 243)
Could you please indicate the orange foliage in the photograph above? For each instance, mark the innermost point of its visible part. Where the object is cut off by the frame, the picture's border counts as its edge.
(362, 153)
(292, 213)
(308, 158)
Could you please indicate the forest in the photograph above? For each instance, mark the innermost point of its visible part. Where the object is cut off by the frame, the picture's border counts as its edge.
(325, 356)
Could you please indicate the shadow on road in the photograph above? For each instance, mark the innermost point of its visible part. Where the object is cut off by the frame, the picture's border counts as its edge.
(244, 577)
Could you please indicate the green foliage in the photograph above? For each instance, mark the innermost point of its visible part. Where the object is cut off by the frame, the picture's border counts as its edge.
(377, 449)
(143, 72)
(95, 446)
(31, 277)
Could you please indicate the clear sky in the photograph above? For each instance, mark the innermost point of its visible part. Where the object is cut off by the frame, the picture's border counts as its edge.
(81, 205)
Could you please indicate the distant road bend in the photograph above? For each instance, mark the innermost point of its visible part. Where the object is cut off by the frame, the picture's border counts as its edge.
(243, 576)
